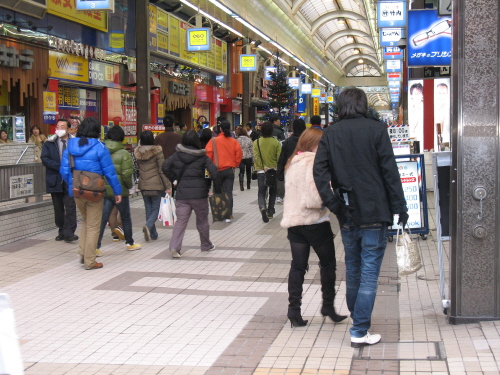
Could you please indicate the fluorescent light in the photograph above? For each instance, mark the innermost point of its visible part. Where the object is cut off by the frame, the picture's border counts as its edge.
(282, 49)
(265, 50)
(318, 82)
(255, 30)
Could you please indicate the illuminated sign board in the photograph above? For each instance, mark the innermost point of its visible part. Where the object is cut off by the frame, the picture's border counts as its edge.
(248, 63)
(329, 99)
(393, 65)
(395, 84)
(198, 39)
(95, 5)
(307, 88)
(390, 37)
(391, 14)
(294, 82)
(393, 76)
(267, 69)
(316, 93)
(393, 53)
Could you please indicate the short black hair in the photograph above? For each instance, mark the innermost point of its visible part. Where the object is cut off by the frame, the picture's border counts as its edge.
(190, 138)
(115, 133)
(89, 128)
(417, 86)
(352, 101)
(273, 117)
(267, 129)
(68, 123)
(316, 120)
(168, 121)
(181, 125)
(147, 138)
(298, 126)
(220, 119)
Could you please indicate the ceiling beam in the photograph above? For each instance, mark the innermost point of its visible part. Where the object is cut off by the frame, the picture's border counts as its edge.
(296, 5)
(350, 32)
(320, 21)
(347, 47)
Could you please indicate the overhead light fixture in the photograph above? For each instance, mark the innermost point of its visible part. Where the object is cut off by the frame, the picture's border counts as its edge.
(361, 61)
(224, 8)
(356, 51)
(254, 29)
(340, 21)
(350, 39)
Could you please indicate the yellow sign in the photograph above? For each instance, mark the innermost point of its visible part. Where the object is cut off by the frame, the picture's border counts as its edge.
(161, 110)
(218, 55)
(67, 9)
(174, 36)
(152, 18)
(162, 42)
(70, 67)
(248, 61)
(203, 58)
(315, 106)
(316, 92)
(49, 101)
(198, 37)
(329, 99)
(182, 36)
(162, 20)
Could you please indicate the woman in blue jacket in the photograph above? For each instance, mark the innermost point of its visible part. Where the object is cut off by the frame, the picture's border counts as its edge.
(89, 155)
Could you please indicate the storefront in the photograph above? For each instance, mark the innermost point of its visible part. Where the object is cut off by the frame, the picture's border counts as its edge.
(177, 98)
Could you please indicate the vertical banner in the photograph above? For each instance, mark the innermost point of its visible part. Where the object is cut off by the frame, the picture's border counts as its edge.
(174, 37)
(302, 104)
(416, 109)
(442, 128)
(315, 106)
(152, 28)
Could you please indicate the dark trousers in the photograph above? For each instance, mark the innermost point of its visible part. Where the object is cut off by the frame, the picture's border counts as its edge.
(124, 210)
(64, 212)
(226, 177)
(261, 195)
(183, 209)
(246, 165)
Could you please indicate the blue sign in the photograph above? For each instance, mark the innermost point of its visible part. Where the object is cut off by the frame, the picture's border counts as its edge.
(395, 84)
(429, 38)
(49, 117)
(302, 103)
(391, 14)
(390, 37)
(95, 5)
(393, 65)
(248, 63)
(393, 53)
(199, 39)
(394, 105)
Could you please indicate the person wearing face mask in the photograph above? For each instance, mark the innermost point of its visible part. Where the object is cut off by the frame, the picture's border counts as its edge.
(64, 205)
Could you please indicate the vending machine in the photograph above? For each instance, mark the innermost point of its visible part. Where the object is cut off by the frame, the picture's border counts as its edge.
(15, 126)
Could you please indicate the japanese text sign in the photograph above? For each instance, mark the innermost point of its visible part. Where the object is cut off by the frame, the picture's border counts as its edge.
(198, 39)
(391, 14)
(393, 65)
(393, 53)
(248, 63)
(390, 37)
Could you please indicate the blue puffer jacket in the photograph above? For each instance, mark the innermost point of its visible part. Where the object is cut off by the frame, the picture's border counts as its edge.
(93, 157)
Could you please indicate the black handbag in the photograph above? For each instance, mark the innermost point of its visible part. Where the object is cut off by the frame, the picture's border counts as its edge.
(254, 173)
(270, 174)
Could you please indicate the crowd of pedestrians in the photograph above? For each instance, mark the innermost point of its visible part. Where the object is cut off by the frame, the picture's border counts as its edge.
(348, 169)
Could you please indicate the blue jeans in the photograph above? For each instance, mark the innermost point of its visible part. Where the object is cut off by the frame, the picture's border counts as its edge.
(124, 209)
(364, 250)
(152, 205)
(261, 195)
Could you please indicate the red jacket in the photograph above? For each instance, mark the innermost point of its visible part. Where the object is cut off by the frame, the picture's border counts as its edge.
(229, 152)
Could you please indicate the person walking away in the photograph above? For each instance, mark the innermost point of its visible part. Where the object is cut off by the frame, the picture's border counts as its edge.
(316, 122)
(266, 151)
(206, 136)
(89, 155)
(247, 160)
(169, 139)
(187, 167)
(64, 204)
(122, 160)
(355, 156)
(38, 139)
(307, 224)
(229, 155)
(288, 147)
(153, 183)
(278, 132)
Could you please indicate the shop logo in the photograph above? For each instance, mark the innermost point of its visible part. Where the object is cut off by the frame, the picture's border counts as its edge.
(62, 63)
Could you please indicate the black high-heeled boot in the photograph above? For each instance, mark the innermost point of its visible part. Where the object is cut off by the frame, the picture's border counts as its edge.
(296, 318)
(295, 282)
(328, 276)
(241, 176)
(330, 312)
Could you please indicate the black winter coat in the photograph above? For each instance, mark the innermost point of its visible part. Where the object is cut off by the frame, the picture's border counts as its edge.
(286, 151)
(357, 153)
(52, 161)
(192, 183)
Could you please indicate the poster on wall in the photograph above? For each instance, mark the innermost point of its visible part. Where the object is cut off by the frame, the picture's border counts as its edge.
(442, 130)
(429, 38)
(416, 109)
(75, 104)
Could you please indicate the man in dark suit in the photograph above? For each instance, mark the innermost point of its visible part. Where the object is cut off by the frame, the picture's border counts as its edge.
(64, 205)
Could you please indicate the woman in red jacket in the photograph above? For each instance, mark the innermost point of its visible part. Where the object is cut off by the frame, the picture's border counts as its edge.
(229, 155)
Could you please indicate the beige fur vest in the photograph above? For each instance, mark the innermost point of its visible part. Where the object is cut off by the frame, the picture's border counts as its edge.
(302, 204)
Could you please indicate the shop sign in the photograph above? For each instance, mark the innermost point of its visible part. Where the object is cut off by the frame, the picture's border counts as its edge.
(410, 177)
(315, 106)
(49, 118)
(393, 65)
(316, 93)
(294, 82)
(95, 5)
(306, 88)
(302, 103)
(198, 39)
(393, 76)
(322, 98)
(236, 106)
(390, 37)
(11, 58)
(248, 63)
(391, 14)
(49, 101)
(160, 109)
(393, 53)
(267, 70)
(179, 88)
(78, 49)
(375, 89)
(429, 39)
(64, 66)
(21, 186)
(67, 9)
(101, 74)
(394, 84)
(329, 99)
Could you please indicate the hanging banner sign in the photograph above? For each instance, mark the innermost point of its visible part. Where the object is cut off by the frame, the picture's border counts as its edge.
(393, 65)
(390, 37)
(329, 99)
(394, 84)
(429, 38)
(391, 14)
(49, 101)
(108, 5)
(393, 53)
(322, 98)
(294, 82)
(315, 106)
(198, 39)
(67, 10)
(248, 63)
(393, 76)
(306, 88)
(302, 104)
(315, 93)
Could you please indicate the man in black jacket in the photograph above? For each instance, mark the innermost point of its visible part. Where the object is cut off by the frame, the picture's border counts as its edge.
(278, 132)
(64, 205)
(288, 147)
(355, 155)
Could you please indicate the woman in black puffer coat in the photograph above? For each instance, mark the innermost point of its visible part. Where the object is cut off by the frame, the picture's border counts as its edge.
(186, 168)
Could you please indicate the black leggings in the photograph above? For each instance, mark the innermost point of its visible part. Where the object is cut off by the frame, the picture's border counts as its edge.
(246, 164)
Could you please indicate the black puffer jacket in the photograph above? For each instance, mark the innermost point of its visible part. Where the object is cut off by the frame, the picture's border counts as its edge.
(192, 183)
(286, 151)
(357, 153)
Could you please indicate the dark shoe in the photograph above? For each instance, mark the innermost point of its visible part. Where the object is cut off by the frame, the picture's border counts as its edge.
(330, 312)
(248, 185)
(145, 230)
(72, 238)
(296, 319)
(270, 215)
(60, 238)
(241, 186)
(95, 266)
(265, 219)
(81, 260)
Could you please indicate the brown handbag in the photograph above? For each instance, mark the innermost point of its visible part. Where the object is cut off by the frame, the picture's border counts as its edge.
(87, 185)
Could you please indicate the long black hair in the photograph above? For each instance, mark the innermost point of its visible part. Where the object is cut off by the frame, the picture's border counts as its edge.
(190, 138)
(147, 138)
(89, 128)
(226, 128)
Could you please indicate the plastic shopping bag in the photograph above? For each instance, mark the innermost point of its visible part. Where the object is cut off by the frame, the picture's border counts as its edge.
(11, 361)
(407, 254)
(167, 213)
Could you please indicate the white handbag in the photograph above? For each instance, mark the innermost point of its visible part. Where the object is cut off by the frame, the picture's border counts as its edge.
(407, 254)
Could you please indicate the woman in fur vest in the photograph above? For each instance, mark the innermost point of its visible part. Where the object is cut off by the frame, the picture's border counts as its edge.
(308, 225)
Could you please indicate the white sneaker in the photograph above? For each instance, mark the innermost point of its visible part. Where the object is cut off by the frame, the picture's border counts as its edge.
(279, 200)
(228, 220)
(359, 342)
(175, 253)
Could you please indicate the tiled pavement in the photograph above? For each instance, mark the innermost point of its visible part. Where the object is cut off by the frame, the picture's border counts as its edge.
(224, 312)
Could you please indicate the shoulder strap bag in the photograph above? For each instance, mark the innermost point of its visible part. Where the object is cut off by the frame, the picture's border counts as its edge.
(270, 173)
(87, 185)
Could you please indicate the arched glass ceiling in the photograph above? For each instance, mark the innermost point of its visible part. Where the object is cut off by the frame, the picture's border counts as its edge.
(337, 24)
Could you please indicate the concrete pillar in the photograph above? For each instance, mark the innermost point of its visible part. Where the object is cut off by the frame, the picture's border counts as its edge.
(143, 85)
(474, 268)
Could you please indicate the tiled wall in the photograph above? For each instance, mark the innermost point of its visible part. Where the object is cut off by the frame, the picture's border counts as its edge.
(10, 152)
(21, 222)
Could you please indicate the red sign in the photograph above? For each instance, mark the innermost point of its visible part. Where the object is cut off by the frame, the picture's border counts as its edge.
(408, 179)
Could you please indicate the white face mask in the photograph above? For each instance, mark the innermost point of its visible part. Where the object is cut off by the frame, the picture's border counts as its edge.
(60, 133)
